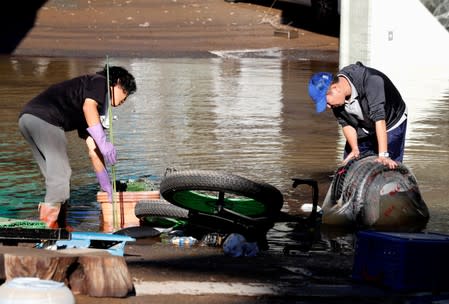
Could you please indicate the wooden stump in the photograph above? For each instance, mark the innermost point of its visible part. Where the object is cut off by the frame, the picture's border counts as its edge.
(45, 268)
(90, 272)
(102, 277)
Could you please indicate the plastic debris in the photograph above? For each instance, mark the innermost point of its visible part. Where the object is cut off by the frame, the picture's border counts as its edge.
(183, 241)
(236, 245)
(213, 239)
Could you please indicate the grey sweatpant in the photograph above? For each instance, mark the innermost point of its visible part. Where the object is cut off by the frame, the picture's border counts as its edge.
(49, 147)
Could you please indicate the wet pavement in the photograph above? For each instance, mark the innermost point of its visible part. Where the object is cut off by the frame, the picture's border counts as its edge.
(167, 274)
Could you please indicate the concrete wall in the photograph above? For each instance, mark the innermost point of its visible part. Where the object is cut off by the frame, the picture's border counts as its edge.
(389, 34)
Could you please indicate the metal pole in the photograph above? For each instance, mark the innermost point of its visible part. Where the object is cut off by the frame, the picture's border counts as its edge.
(111, 138)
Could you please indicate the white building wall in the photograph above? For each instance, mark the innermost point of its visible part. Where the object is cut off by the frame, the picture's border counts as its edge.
(388, 34)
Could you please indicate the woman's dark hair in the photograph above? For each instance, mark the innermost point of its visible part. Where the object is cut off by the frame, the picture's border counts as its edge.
(121, 76)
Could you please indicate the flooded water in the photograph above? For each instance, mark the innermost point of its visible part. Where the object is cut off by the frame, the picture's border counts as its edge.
(248, 115)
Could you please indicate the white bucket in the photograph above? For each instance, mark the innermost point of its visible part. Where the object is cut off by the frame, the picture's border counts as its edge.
(28, 290)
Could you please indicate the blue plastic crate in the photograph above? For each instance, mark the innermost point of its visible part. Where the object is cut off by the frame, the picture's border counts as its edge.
(402, 261)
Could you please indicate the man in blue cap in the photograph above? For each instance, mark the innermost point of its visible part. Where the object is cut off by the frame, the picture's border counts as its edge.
(369, 108)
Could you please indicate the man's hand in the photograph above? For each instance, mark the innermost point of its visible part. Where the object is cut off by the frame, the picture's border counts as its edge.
(354, 154)
(386, 161)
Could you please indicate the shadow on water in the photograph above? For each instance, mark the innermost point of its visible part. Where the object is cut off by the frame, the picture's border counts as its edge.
(17, 19)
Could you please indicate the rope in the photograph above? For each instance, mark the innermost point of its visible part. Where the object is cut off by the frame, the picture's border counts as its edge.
(111, 138)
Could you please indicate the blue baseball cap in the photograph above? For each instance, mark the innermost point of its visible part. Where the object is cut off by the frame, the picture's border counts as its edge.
(318, 85)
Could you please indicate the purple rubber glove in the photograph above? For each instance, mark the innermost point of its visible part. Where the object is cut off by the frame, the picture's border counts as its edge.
(106, 148)
(105, 182)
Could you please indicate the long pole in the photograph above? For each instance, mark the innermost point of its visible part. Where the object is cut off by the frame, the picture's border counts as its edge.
(111, 138)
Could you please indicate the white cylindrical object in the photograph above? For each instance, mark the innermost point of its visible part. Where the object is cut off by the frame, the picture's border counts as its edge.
(28, 290)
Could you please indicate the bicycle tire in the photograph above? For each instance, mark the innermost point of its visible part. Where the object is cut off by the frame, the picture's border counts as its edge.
(198, 223)
(254, 199)
(159, 208)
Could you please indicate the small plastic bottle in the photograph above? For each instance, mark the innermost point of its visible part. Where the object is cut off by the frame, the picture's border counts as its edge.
(183, 241)
(167, 236)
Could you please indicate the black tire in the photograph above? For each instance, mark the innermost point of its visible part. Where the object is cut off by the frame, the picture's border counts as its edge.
(159, 208)
(365, 197)
(220, 193)
(139, 232)
(196, 224)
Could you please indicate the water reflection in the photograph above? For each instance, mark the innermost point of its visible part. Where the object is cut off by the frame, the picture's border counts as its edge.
(427, 150)
(249, 116)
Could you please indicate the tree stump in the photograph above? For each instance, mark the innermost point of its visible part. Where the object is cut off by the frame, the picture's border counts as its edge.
(45, 268)
(91, 272)
(100, 276)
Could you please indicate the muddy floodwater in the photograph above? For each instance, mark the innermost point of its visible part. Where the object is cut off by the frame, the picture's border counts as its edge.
(247, 114)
